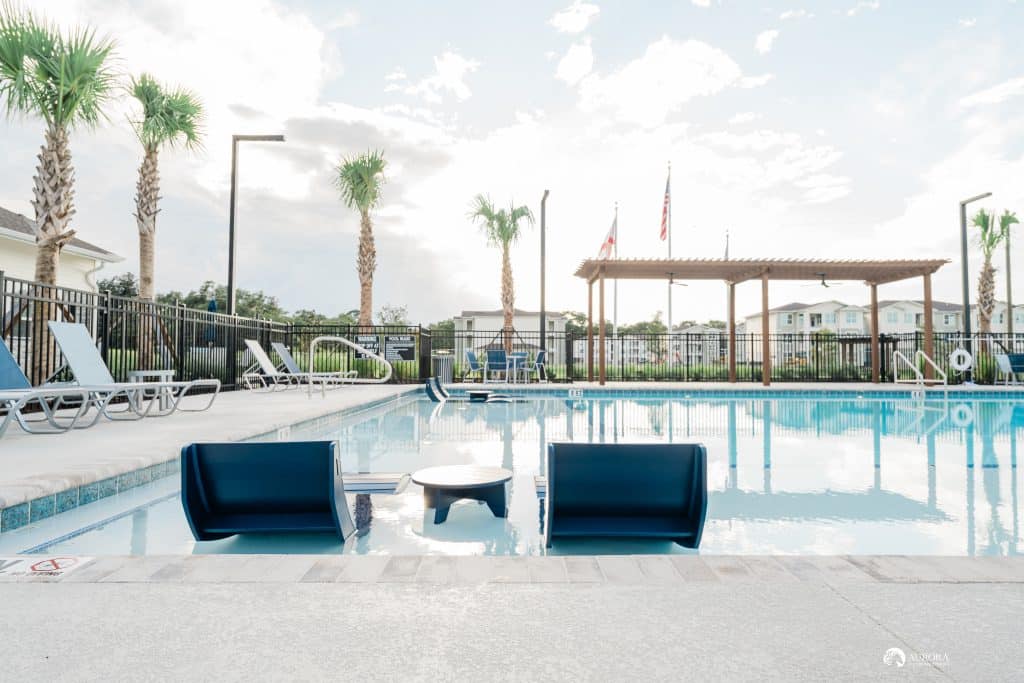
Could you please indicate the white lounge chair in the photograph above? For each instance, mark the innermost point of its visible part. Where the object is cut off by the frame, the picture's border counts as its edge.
(263, 374)
(89, 371)
(291, 366)
(17, 394)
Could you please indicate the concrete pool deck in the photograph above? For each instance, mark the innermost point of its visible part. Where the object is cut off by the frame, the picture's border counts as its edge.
(537, 618)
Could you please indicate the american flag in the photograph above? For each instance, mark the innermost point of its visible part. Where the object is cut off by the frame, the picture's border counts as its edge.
(665, 208)
(609, 241)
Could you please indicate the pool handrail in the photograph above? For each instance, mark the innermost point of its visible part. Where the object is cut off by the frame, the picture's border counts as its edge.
(358, 347)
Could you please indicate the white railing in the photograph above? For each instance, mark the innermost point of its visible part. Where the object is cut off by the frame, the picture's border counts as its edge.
(919, 379)
(353, 380)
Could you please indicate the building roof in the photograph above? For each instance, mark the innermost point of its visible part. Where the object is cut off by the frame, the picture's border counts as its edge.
(18, 227)
(741, 270)
(937, 305)
(498, 313)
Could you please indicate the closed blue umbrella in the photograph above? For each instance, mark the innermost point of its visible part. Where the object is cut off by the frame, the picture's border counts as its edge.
(211, 328)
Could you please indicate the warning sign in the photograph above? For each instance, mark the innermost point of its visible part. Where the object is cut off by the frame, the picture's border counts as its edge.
(34, 565)
(370, 342)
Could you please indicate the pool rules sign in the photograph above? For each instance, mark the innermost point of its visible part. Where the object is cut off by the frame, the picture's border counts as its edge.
(13, 567)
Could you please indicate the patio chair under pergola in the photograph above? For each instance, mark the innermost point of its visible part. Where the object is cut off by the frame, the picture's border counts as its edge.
(736, 271)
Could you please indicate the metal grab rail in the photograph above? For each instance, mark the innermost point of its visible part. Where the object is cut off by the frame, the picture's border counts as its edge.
(354, 380)
(919, 378)
(897, 356)
(938, 371)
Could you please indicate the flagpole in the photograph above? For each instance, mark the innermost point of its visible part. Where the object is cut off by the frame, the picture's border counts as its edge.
(615, 285)
(670, 257)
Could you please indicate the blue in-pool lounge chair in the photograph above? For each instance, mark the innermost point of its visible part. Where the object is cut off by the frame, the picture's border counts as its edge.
(652, 490)
(283, 487)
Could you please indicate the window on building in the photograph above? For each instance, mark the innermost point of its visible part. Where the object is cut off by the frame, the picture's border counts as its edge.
(551, 326)
(787, 318)
(829, 318)
(1000, 318)
(948, 319)
(908, 318)
(815, 319)
(469, 325)
(892, 317)
(851, 317)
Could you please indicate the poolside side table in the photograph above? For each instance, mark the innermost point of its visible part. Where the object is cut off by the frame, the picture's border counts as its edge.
(165, 396)
(444, 485)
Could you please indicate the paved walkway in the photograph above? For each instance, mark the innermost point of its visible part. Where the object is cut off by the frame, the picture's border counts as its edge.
(539, 618)
(35, 465)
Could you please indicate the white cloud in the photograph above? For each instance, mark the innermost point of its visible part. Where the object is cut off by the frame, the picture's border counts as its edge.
(996, 94)
(968, 23)
(346, 19)
(755, 81)
(450, 72)
(863, 6)
(764, 41)
(575, 18)
(396, 74)
(668, 74)
(577, 62)
(701, 3)
(795, 14)
(744, 117)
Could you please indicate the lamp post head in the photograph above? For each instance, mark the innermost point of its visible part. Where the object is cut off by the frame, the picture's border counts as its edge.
(258, 138)
(965, 202)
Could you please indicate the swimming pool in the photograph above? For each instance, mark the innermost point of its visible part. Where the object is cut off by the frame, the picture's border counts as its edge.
(832, 473)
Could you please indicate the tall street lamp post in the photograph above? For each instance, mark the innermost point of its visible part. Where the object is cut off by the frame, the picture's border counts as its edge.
(543, 310)
(235, 139)
(969, 375)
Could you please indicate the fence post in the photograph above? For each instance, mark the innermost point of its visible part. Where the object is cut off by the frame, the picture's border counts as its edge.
(103, 325)
(569, 360)
(179, 326)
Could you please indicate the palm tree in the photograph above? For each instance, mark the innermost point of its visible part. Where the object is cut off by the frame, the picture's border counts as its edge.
(170, 117)
(502, 230)
(64, 79)
(360, 179)
(1005, 221)
(988, 240)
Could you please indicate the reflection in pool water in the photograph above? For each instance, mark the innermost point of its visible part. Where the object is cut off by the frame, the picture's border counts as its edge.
(786, 475)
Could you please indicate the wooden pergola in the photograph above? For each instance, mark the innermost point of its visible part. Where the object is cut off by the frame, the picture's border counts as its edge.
(735, 271)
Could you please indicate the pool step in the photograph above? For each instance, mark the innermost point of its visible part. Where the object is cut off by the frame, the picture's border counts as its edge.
(375, 482)
(541, 484)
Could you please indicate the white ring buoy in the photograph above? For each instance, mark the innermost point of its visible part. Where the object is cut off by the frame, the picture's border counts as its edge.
(961, 415)
(961, 360)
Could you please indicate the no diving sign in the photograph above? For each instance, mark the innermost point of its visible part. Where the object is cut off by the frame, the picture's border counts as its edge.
(39, 565)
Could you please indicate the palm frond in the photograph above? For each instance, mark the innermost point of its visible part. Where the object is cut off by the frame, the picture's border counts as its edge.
(65, 79)
(501, 226)
(988, 237)
(360, 179)
(1006, 220)
(169, 116)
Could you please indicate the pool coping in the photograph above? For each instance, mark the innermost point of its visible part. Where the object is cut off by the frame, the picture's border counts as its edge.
(571, 569)
(89, 485)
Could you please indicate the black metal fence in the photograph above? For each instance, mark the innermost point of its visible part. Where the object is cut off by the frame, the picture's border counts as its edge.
(138, 335)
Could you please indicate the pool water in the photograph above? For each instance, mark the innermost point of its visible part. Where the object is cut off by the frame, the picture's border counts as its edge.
(840, 474)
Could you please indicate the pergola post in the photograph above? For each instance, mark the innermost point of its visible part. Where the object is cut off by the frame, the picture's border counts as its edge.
(876, 352)
(732, 331)
(766, 358)
(601, 338)
(590, 331)
(929, 333)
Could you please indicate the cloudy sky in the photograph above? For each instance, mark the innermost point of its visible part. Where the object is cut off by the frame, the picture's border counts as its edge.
(808, 129)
